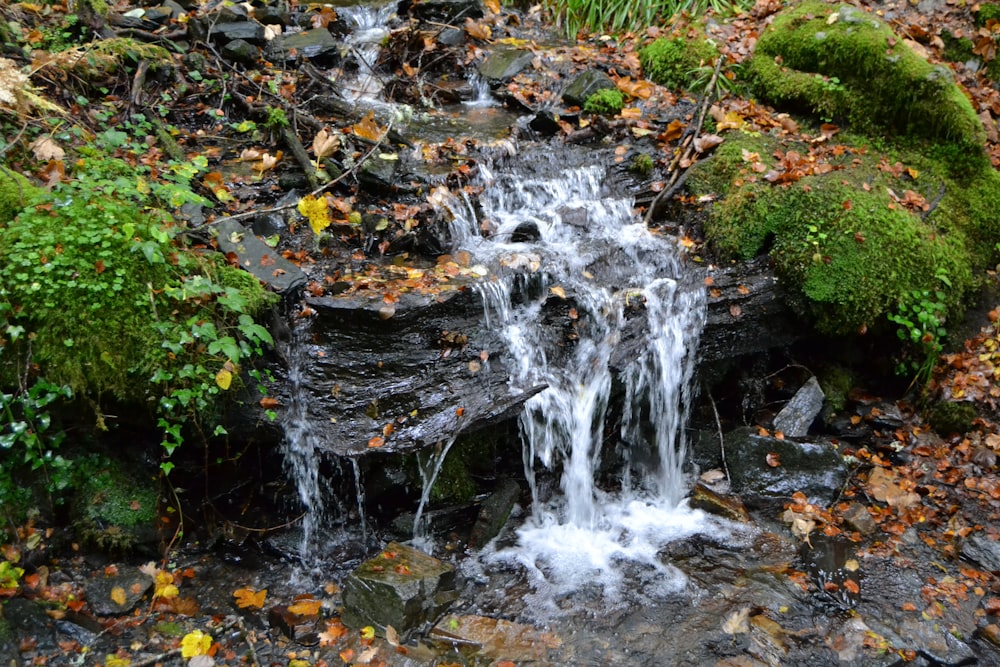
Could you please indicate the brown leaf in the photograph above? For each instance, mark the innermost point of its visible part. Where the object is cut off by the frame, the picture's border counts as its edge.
(477, 30)
(375, 442)
(773, 459)
(306, 607)
(249, 598)
(707, 142)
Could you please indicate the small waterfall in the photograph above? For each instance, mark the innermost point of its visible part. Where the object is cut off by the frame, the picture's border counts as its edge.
(369, 26)
(483, 96)
(592, 253)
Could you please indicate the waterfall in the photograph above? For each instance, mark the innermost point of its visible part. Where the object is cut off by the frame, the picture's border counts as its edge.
(561, 243)
(368, 23)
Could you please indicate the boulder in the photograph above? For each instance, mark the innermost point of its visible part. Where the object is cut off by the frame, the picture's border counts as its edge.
(401, 587)
(504, 64)
(585, 85)
(799, 413)
(313, 43)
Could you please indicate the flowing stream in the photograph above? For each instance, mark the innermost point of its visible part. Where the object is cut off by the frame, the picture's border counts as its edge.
(560, 239)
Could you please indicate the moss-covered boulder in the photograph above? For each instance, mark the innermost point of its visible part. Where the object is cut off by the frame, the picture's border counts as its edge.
(16, 192)
(670, 61)
(850, 229)
(844, 64)
(116, 510)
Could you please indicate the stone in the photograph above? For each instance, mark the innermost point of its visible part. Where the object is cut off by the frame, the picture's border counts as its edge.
(249, 31)
(377, 174)
(859, 519)
(504, 64)
(101, 591)
(496, 639)
(545, 123)
(451, 12)
(255, 256)
(730, 507)
(307, 44)
(584, 85)
(401, 587)
(241, 51)
(766, 471)
(982, 550)
(799, 413)
(494, 513)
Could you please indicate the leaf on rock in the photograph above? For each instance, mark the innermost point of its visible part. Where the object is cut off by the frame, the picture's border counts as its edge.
(477, 30)
(375, 442)
(367, 128)
(316, 210)
(306, 607)
(737, 622)
(195, 643)
(335, 630)
(118, 596)
(249, 598)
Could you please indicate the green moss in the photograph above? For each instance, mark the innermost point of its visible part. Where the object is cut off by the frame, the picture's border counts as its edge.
(454, 483)
(956, 49)
(671, 61)
(836, 383)
(642, 165)
(16, 193)
(839, 239)
(116, 510)
(948, 417)
(846, 65)
(987, 11)
(608, 101)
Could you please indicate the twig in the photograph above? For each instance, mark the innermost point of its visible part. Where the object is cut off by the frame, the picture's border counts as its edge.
(246, 637)
(685, 155)
(722, 440)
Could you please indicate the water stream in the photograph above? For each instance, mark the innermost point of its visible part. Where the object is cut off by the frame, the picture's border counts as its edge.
(582, 248)
(369, 26)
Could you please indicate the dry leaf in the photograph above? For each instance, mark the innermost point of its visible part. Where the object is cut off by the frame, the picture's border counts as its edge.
(45, 148)
(558, 291)
(707, 142)
(736, 623)
(118, 596)
(477, 30)
(306, 607)
(325, 143)
(249, 598)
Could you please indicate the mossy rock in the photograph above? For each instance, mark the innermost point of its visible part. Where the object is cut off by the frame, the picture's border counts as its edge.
(950, 417)
(16, 193)
(840, 236)
(846, 65)
(988, 11)
(116, 510)
(669, 61)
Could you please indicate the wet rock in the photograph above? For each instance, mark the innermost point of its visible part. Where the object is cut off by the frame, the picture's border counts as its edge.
(981, 549)
(545, 123)
(730, 507)
(833, 567)
(401, 587)
(377, 174)
(26, 618)
(248, 31)
(585, 85)
(255, 256)
(128, 586)
(859, 519)
(494, 513)
(799, 413)
(447, 11)
(495, 639)
(314, 43)
(766, 471)
(241, 51)
(503, 65)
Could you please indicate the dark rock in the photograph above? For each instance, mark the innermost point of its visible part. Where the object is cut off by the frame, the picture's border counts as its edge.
(241, 51)
(766, 471)
(494, 513)
(133, 584)
(832, 565)
(982, 550)
(730, 507)
(585, 85)
(272, 14)
(307, 44)
(231, 12)
(377, 174)
(799, 413)
(175, 8)
(158, 15)
(453, 12)
(27, 618)
(503, 65)
(248, 31)
(545, 123)
(255, 256)
(401, 587)
(451, 37)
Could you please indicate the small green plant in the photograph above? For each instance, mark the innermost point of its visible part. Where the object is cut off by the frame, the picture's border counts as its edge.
(10, 578)
(642, 165)
(921, 317)
(575, 15)
(608, 101)
(276, 119)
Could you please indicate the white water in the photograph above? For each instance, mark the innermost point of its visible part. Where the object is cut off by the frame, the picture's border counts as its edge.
(369, 26)
(592, 248)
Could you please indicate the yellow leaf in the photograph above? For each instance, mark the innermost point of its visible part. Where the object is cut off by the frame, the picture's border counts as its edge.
(224, 378)
(115, 661)
(367, 128)
(295, 662)
(315, 209)
(195, 643)
(368, 632)
(165, 587)
(493, 6)
(247, 597)
(558, 291)
(118, 596)
(306, 607)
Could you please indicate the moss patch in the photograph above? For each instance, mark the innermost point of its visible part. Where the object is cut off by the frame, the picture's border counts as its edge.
(116, 511)
(608, 101)
(670, 61)
(859, 230)
(16, 192)
(844, 64)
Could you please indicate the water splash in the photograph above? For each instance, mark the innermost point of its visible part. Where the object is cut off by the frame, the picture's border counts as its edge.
(561, 243)
(369, 27)
(482, 95)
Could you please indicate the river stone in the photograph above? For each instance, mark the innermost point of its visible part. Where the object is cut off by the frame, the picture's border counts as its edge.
(249, 31)
(766, 471)
(494, 513)
(496, 639)
(704, 498)
(585, 85)
(100, 592)
(447, 11)
(504, 64)
(241, 51)
(376, 174)
(982, 550)
(401, 587)
(799, 413)
(308, 44)
(255, 256)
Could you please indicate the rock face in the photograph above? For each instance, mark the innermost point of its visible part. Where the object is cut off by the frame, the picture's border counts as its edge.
(401, 587)
(800, 412)
(585, 85)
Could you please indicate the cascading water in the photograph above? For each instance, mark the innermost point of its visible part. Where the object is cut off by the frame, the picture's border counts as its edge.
(590, 249)
(368, 24)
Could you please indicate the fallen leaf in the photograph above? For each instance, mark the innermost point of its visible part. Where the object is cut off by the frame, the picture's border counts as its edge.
(306, 607)
(736, 623)
(773, 459)
(558, 291)
(45, 148)
(118, 596)
(707, 142)
(249, 598)
(375, 442)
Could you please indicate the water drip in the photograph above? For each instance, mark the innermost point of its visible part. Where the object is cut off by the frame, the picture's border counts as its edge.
(359, 496)
(428, 476)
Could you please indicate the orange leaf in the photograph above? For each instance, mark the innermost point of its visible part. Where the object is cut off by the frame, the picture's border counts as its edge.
(306, 607)
(247, 597)
(852, 586)
(376, 441)
(268, 402)
(367, 128)
(773, 459)
(335, 630)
